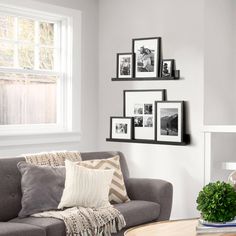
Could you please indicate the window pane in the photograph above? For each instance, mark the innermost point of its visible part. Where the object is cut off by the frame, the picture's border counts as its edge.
(7, 27)
(27, 99)
(46, 58)
(26, 56)
(26, 30)
(46, 33)
(6, 54)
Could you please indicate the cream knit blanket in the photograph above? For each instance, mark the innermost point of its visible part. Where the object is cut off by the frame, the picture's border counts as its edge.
(52, 158)
(79, 221)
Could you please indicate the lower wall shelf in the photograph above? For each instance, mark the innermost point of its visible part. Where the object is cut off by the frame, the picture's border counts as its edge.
(185, 142)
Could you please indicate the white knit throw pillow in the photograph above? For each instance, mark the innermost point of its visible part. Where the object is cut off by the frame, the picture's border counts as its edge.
(85, 187)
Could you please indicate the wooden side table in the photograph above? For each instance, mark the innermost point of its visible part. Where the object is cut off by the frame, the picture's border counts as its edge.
(169, 228)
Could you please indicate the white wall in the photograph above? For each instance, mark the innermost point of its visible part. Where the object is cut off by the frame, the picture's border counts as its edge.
(219, 80)
(180, 24)
(89, 76)
(219, 66)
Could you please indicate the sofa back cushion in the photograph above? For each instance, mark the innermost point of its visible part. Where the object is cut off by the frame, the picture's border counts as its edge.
(10, 181)
(10, 188)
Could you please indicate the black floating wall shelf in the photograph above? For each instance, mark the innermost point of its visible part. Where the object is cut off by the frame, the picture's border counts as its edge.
(144, 79)
(145, 141)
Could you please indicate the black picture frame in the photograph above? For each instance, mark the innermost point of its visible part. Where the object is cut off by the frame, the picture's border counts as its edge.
(170, 121)
(167, 68)
(147, 57)
(124, 71)
(124, 130)
(140, 104)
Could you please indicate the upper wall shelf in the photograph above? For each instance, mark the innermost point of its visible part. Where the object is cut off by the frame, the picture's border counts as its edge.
(186, 141)
(177, 72)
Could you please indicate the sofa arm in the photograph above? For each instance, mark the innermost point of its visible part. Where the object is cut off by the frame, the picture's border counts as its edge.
(154, 190)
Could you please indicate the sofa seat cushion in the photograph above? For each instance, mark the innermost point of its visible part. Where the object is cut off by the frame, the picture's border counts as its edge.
(52, 226)
(138, 212)
(135, 213)
(18, 229)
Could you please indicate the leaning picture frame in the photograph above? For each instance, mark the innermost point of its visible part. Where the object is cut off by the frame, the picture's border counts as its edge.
(124, 65)
(140, 104)
(121, 127)
(147, 57)
(170, 121)
(167, 68)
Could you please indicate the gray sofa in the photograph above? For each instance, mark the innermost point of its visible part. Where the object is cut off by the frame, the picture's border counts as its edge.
(151, 200)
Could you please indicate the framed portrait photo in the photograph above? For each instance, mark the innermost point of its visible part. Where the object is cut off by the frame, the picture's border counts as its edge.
(170, 121)
(121, 127)
(147, 56)
(167, 68)
(124, 65)
(140, 104)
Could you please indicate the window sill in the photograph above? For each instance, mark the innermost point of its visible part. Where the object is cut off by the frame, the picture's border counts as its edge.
(43, 138)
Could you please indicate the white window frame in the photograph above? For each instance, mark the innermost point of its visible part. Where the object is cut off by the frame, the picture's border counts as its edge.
(68, 125)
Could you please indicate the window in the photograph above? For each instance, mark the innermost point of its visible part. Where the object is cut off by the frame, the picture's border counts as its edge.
(36, 70)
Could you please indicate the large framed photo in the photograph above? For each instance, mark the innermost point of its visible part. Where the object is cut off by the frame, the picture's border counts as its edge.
(140, 104)
(170, 121)
(147, 56)
(167, 68)
(124, 65)
(121, 127)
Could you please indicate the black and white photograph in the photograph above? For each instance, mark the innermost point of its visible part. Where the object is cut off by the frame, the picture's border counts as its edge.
(140, 104)
(169, 118)
(124, 65)
(121, 127)
(147, 55)
(169, 121)
(148, 108)
(138, 109)
(167, 68)
(138, 121)
(148, 121)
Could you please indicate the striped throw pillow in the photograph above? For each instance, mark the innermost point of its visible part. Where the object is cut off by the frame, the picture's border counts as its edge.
(117, 193)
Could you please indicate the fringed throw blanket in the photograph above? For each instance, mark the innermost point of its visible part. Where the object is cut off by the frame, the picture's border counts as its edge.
(82, 221)
(52, 158)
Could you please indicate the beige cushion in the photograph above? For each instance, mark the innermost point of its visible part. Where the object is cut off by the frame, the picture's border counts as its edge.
(85, 187)
(118, 193)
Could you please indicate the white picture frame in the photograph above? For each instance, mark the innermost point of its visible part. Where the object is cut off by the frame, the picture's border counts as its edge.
(140, 104)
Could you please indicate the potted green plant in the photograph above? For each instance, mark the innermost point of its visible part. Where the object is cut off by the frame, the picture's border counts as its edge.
(217, 202)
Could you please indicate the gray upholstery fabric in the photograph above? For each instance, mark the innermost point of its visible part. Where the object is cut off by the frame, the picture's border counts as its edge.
(138, 212)
(53, 227)
(134, 212)
(16, 229)
(42, 187)
(10, 190)
(154, 190)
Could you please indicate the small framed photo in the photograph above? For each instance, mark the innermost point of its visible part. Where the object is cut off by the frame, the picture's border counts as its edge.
(140, 104)
(124, 65)
(167, 68)
(121, 127)
(170, 121)
(147, 56)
